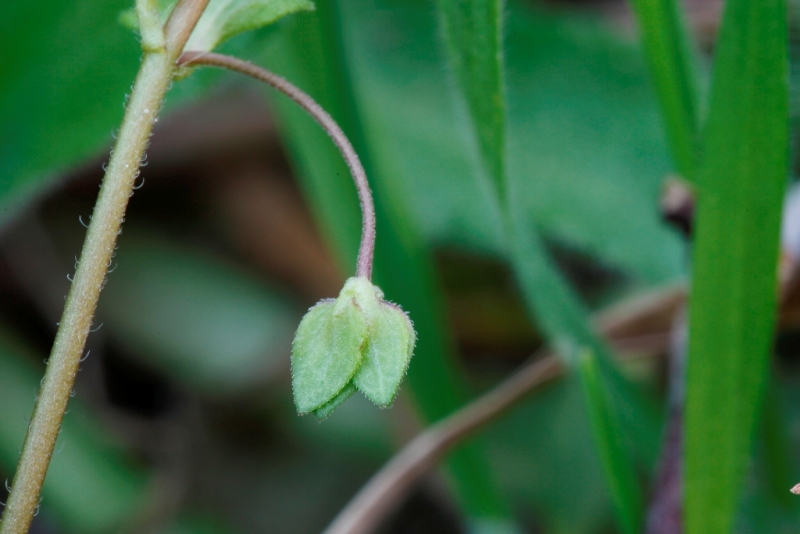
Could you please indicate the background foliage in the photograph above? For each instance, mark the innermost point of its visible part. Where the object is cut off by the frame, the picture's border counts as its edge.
(183, 420)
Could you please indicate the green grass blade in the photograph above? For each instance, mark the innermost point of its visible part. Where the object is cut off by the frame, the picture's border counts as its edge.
(314, 59)
(472, 32)
(620, 474)
(671, 61)
(741, 186)
(563, 319)
(472, 35)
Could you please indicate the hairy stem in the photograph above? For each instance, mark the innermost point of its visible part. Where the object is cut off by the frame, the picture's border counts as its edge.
(367, 249)
(155, 75)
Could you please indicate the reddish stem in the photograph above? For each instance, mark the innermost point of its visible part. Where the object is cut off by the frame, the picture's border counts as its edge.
(367, 249)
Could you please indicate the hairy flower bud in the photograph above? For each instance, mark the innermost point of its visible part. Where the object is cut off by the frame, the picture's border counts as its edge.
(356, 342)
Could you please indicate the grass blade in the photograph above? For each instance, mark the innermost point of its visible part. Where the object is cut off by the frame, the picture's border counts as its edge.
(472, 32)
(670, 56)
(315, 60)
(620, 474)
(741, 186)
(564, 321)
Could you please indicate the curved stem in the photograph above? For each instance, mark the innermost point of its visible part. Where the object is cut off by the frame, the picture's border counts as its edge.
(367, 249)
(155, 75)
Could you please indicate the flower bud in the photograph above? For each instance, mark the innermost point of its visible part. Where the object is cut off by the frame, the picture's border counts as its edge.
(356, 342)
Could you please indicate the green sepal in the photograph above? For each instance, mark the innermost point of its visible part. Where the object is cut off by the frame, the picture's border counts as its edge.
(387, 354)
(326, 352)
(327, 409)
(358, 341)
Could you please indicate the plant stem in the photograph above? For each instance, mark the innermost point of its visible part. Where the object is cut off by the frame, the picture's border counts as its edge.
(155, 75)
(367, 249)
(386, 489)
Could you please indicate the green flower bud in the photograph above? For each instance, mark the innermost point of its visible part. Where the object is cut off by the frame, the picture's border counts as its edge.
(356, 342)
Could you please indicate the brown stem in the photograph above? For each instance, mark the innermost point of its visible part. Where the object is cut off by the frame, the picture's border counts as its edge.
(387, 488)
(638, 324)
(367, 249)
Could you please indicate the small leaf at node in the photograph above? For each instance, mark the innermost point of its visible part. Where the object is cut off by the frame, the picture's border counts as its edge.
(223, 19)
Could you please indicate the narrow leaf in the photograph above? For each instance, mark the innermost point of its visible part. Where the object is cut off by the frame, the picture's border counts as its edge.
(620, 474)
(741, 185)
(472, 32)
(564, 321)
(672, 68)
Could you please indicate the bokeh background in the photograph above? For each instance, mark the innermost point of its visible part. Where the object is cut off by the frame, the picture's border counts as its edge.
(182, 419)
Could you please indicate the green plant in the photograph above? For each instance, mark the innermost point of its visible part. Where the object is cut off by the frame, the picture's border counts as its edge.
(495, 126)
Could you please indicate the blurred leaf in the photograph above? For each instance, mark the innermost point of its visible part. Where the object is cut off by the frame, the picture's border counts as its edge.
(620, 474)
(564, 321)
(324, 411)
(584, 144)
(223, 19)
(358, 427)
(544, 454)
(741, 186)
(472, 32)
(194, 524)
(778, 463)
(90, 486)
(672, 67)
(202, 321)
(61, 91)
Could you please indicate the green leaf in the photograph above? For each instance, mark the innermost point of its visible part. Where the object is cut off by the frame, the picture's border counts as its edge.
(201, 320)
(672, 68)
(61, 92)
(740, 191)
(386, 356)
(223, 19)
(326, 352)
(472, 32)
(778, 460)
(570, 84)
(620, 474)
(543, 452)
